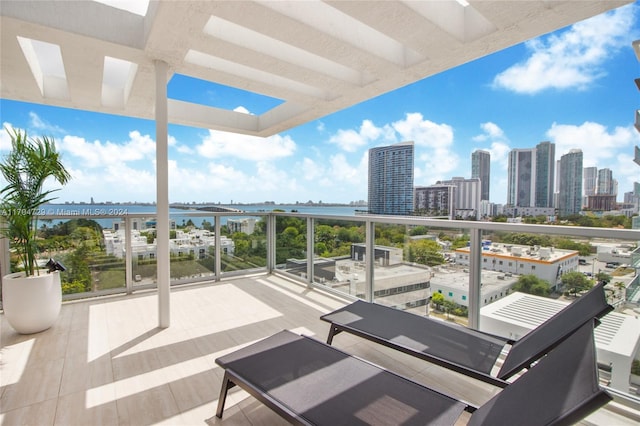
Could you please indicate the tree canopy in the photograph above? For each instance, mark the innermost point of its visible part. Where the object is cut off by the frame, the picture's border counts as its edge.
(531, 284)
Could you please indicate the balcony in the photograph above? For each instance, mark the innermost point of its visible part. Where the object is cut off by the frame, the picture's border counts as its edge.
(106, 361)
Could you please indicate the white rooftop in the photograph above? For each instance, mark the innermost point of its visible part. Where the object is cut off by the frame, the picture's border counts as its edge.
(525, 253)
(317, 57)
(459, 280)
(617, 333)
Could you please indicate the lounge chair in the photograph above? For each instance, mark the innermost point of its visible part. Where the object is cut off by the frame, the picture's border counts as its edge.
(308, 382)
(461, 349)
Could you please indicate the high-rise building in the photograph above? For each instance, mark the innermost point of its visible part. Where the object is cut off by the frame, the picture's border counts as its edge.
(605, 182)
(570, 196)
(467, 196)
(435, 200)
(521, 180)
(481, 169)
(544, 174)
(590, 180)
(391, 179)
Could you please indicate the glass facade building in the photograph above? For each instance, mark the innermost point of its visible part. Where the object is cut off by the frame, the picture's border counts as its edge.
(544, 176)
(481, 169)
(391, 179)
(570, 196)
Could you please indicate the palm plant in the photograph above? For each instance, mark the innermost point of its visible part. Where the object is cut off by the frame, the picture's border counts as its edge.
(28, 165)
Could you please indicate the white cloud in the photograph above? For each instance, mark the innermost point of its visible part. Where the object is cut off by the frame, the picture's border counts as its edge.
(599, 146)
(573, 58)
(5, 139)
(101, 154)
(433, 142)
(222, 144)
(434, 155)
(490, 131)
(499, 143)
(115, 182)
(350, 140)
(424, 133)
(310, 170)
(42, 126)
(242, 110)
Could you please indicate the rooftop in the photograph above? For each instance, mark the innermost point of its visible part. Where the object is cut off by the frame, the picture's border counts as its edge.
(617, 332)
(526, 253)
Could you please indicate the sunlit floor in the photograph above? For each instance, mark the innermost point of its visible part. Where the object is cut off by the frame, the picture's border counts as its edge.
(106, 363)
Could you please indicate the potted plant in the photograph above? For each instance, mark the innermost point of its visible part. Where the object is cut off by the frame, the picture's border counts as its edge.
(32, 298)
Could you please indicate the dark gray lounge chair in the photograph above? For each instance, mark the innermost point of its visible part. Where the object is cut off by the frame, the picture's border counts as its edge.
(461, 349)
(311, 383)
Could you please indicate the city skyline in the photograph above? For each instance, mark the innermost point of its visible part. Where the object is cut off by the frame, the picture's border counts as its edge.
(573, 88)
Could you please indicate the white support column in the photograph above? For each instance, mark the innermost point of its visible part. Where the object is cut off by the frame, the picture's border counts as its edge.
(162, 195)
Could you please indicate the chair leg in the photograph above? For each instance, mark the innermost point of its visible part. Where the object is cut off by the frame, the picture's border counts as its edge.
(332, 332)
(226, 385)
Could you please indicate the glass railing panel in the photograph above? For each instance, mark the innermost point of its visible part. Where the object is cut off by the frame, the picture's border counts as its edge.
(79, 244)
(291, 245)
(415, 262)
(142, 238)
(243, 244)
(340, 255)
(192, 247)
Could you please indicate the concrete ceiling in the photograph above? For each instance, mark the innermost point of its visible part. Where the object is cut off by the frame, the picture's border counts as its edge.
(317, 57)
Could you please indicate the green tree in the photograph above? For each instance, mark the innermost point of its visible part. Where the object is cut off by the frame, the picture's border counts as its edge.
(26, 168)
(575, 282)
(566, 244)
(437, 299)
(531, 284)
(419, 230)
(78, 270)
(603, 277)
(460, 241)
(449, 306)
(425, 252)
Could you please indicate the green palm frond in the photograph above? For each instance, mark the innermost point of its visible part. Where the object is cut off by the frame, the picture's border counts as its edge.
(29, 164)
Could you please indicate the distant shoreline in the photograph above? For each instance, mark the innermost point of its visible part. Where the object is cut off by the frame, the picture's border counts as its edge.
(195, 205)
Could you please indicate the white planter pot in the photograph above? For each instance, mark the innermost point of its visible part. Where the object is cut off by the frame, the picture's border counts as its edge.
(31, 304)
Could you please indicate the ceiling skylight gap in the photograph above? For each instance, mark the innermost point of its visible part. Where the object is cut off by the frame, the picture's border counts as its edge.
(47, 67)
(138, 7)
(457, 18)
(193, 90)
(117, 80)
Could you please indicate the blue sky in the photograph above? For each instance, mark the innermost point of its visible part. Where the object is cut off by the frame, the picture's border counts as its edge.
(573, 87)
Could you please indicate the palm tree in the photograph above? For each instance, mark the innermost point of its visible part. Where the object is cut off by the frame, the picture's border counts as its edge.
(28, 165)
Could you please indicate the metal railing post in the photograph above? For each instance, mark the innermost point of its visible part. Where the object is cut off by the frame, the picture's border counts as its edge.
(475, 267)
(271, 242)
(370, 242)
(310, 250)
(217, 267)
(128, 256)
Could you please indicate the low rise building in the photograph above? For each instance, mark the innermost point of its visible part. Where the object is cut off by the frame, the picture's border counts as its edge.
(547, 263)
(454, 285)
(195, 242)
(246, 225)
(617, 337)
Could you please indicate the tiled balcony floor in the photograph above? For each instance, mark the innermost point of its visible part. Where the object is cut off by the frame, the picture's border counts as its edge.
(106, 363)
